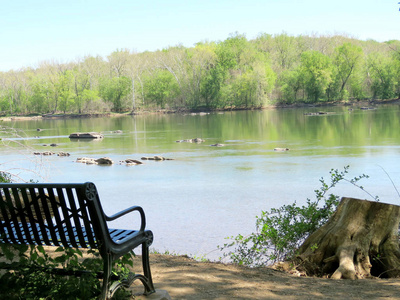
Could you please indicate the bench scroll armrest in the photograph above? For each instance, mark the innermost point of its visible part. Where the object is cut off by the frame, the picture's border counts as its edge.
(128, 210)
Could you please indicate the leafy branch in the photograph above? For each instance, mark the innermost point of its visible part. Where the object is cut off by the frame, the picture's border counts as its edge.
(281, 231)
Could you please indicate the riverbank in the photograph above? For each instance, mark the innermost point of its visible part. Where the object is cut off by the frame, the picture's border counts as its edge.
(358, 104)
(185, 278)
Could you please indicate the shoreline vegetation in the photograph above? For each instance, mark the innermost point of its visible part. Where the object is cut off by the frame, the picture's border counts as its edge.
(359, 104)
(236, 73)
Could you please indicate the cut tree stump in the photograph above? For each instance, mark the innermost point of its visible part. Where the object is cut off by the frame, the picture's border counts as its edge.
(360, 240)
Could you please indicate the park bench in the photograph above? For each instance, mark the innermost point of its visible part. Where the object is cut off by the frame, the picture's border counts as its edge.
(70, 215)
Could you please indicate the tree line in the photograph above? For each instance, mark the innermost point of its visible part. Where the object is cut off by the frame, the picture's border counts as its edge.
(234, 73)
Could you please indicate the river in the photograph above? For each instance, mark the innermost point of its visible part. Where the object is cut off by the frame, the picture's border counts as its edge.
(205, 193)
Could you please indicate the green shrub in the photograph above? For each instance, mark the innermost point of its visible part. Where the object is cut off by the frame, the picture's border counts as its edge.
(281, 231)
(34, 276)
(5, 177)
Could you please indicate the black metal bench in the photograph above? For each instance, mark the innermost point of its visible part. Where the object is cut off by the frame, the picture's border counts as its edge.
(71, 215)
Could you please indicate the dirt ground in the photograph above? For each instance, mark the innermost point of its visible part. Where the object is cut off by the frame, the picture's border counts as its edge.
(184, 278)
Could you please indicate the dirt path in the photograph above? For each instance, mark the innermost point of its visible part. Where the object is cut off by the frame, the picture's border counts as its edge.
(185, 278)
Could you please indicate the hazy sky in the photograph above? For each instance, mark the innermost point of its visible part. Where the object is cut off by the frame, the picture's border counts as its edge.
(34, 31)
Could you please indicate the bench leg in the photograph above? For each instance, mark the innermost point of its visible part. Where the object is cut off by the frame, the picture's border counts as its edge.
(148, 285)
(108, 263)
(146, 278)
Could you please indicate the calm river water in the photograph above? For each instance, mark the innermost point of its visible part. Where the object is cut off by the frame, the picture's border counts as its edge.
(206, 193)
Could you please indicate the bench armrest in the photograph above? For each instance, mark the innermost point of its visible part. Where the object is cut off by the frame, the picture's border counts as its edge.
(126, 211)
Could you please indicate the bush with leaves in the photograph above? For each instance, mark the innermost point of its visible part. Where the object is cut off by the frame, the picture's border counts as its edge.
(35, 276)
(281, 231)
(5, 177)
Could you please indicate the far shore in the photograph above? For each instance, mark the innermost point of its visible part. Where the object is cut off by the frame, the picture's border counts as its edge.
(357, 104)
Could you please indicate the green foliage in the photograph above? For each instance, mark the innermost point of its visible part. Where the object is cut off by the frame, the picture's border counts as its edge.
(80, 85)
(33, 278)
(241, 77)
(114, 90)
(281, 231)
(286, 52)
(347, 60)
(5, 177)
(211, 85)
(41, 96)
(383, 76)
(291, 82)
(161, 88)
(233, 73)
(65, 95)
(316, 70)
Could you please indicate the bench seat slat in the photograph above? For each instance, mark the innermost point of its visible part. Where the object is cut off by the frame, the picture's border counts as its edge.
(45, 236)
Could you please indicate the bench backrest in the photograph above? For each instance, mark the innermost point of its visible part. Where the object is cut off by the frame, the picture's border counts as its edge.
(68, 215)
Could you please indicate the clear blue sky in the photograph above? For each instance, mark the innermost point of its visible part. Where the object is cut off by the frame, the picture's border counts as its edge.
(32, 31)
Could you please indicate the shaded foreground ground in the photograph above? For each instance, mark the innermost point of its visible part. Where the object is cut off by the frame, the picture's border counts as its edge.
(185, 278)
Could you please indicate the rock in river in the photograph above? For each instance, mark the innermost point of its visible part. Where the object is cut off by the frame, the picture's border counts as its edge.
(281, 149)
(86, 135)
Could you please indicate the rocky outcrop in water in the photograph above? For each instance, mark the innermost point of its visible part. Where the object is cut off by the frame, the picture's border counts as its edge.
(195, 140)
(104, 161)
(86, 160)
(281, 149)
(156, 157)
(63, 154)
(131, 162)
(46, 153)
(93, 161)
(86, 135)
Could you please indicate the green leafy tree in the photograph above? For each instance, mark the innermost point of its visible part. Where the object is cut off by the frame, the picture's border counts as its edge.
(161, 87)
(285, 50)
(395, 47)
(115, 90)
(347, 60)
(14, 92)
(174, 60)
(317, 71)
(54, 75)
(199, 61)
(211, 84)
(64, 91)
(89, 98)
(41, 98)
(80, 84)
(383, 75)
(291, 83)
(228, 53)
(250, 88)
(213, 81)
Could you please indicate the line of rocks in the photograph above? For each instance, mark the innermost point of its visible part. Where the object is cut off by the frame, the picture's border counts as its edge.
(198, 141)
(156, 157)
(109, 161)
(48, 153)
(195, 140)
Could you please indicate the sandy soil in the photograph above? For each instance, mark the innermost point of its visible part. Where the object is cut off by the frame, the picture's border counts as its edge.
(184, 278)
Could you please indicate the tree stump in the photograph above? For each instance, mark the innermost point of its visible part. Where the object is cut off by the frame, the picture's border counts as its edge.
(360, 240)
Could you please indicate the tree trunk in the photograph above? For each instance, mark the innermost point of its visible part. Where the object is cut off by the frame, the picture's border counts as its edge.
(360, 240)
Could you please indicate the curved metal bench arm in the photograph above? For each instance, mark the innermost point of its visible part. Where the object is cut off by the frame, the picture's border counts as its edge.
(127, 211)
